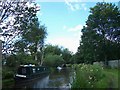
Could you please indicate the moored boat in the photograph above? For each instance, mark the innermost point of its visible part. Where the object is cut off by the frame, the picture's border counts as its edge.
(30, 72)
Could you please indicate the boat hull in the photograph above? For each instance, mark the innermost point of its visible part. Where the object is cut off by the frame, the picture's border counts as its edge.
(33, 74)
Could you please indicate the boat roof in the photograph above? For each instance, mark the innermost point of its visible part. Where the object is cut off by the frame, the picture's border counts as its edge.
(30, 65)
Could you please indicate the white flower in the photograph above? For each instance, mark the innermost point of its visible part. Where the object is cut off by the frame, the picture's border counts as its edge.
(82, 67)
(91, 70)
(96, 69)
(90, 77)
(89, 82)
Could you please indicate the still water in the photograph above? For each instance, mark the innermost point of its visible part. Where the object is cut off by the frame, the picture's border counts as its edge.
(57, 79)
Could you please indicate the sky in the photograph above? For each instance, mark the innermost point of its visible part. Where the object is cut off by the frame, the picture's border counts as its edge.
(64, 21)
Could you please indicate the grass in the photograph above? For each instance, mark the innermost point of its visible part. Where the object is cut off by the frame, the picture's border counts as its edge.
(110, 80)
(7, 82)
(7, 76)
(94, 76)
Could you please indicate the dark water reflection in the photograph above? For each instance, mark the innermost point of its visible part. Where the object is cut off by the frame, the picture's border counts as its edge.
(56, 79)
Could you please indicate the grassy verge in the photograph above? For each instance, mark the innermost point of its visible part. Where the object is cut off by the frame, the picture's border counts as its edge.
(7, 77)
(94, 76)
(110, 80)
(7, 82)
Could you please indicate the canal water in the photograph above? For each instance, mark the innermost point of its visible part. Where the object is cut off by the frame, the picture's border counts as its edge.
(56, 79)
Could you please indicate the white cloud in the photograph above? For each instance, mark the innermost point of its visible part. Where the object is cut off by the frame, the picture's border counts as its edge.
(83, 5)
(67, 42)
(76, 28)
(39, 13)
(70, 5)
(76, 0)
(75, 5)
(78, 35)
(71, 42)
(1, 38)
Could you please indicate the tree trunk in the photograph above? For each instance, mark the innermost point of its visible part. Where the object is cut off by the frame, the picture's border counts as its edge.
(36, 56)
(36, 49)
(106, 62)
(41, 62)
(0, 64)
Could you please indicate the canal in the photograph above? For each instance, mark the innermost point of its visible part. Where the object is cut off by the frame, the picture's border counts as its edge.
(56, 79)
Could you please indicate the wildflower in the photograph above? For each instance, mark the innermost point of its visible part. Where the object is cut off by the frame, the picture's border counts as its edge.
(82, 67)
(90, 77)
(96, 69)
(89, 82)
(91, 85)
(91, 70)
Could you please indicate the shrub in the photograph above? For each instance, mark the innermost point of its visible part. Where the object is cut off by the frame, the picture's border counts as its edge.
(87, 76)
(53, 60)
(7, 74)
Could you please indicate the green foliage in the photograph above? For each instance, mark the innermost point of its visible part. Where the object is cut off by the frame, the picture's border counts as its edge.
(74, 59)
(104, 18)
(110, 80)
(7, 83)
(67, 55)
(26, 27)
(21, 13)
(53, 60)
(94, 76)
(7, 73)
(11, 61)
(56, 50)
(21, 58)
(50, 49)
(103, 83)
(100, 39)
(87, 76)
(32, 42)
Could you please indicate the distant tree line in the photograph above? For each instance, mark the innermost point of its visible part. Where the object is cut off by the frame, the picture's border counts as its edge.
(56, 56)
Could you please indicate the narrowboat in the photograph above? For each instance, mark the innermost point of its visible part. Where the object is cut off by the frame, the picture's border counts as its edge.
(30, 72)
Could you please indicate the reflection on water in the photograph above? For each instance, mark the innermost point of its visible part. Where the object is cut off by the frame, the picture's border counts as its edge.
(41, 83)
(56, 79)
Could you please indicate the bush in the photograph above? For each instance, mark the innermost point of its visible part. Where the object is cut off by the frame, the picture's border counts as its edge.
(7, 74)
(53, 60)
(87, 75)
(16, 60)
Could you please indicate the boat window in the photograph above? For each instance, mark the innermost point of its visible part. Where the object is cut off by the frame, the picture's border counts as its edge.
(38, 69)
(33, 70)
(23, 70)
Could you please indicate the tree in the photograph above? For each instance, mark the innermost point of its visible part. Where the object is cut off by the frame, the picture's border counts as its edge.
(53, 60)
(14, 19)
(104, 19)
(64, 53)
(51, 49)
(67, 55)
(12, 16)
(32, 41)
(101, 34)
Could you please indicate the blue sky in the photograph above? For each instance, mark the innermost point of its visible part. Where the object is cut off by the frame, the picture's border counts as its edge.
(64, 21)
